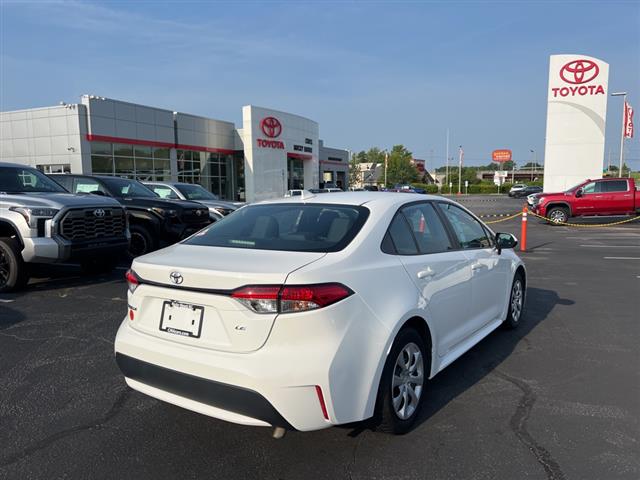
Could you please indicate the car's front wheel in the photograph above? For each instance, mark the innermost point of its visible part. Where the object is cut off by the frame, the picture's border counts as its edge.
(401, 389)
(13, 270)
(558, 215)
(141, 241)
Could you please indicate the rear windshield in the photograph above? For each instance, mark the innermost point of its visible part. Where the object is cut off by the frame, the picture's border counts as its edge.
(288, 227)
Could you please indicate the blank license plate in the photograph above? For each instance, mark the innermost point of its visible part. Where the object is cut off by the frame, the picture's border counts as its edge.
(181, 319)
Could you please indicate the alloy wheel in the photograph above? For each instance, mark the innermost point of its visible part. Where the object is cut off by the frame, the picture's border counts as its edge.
(408, 380)
(558, 216)
(516, 300)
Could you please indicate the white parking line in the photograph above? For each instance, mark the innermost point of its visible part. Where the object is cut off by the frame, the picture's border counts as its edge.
(612, 246)
(4, 300)
(621, 258)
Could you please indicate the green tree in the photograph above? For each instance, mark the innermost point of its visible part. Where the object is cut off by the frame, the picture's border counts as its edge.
(354, 170)
(399, 167)
(361, 157)
(375, 155)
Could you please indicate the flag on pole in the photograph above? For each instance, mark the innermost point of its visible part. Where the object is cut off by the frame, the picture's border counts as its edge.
(461, 155)
(628, 120)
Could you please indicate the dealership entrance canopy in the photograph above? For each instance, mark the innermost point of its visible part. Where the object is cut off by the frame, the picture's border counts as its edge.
(273, 151)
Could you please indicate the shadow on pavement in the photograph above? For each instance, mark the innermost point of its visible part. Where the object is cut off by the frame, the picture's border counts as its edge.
(482, 359)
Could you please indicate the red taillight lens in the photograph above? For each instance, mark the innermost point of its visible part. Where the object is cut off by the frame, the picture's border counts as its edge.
(289, 299)
(132, 280)
(300, 298)
(259, 298)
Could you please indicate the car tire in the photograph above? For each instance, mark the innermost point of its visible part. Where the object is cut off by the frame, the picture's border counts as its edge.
(558, 215)
(102, 265)
(14, 273)
(141, 241)
(517, 299)
(401, 389)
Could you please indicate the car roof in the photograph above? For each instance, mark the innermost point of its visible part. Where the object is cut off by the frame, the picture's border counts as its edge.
(11, 164)
(369, 198)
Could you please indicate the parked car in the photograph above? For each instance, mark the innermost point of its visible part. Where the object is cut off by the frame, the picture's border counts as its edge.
(298, 192)
(154, 222)
(516, 189)
(197, 193)
(528, 190)
(40, 222)
(371, 188)
(271, 317)
(606, 196)
(532, 199)
(333, 190)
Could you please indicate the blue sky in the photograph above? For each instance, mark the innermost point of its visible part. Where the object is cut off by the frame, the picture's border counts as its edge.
(371, 73)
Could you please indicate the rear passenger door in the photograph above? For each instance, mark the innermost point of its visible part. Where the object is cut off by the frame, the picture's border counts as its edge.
(489, 270)
(619, 196)
(441, 275)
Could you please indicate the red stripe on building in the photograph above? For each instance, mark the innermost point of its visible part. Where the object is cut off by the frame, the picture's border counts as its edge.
(132, 141)
(206, 149)
(153, 143)
(301, 156)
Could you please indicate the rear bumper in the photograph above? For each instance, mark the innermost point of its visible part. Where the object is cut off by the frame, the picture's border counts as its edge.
(229, 398)
(337, 348)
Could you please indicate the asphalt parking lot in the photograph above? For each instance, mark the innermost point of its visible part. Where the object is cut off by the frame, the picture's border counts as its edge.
(559, 398)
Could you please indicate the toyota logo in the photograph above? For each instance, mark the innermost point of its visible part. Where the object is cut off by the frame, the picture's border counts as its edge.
(176, 277)
(99, 213)
(271, 127)
(579, 71)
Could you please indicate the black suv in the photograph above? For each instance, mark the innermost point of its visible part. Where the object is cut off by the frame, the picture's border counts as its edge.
(154, 222)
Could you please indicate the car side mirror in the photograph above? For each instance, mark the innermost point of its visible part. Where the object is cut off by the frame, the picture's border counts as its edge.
(98, 192)
(579, 193)
(505, 240)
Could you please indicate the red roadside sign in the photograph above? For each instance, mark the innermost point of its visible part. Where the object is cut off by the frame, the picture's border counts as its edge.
(501, 156)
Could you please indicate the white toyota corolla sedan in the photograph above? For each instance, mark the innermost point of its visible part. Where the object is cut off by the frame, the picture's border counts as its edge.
(312, 311)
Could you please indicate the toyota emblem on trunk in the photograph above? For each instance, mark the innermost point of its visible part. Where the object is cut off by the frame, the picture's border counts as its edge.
(176, 277)
(99, 213)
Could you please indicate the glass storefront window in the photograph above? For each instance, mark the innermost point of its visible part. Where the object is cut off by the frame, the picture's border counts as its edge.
(140, 151)
(161, 153)
(122, 150)
(101, 165)
(144, 169)
(101, 148)
(124, 166)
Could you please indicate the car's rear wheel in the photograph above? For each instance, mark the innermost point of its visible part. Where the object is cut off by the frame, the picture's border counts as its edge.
(401, 389)
(13, 270)
(558, 215)
(516, 302)
(141, 241)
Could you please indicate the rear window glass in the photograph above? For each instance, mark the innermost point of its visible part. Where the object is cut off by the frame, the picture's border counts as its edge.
(287, 227)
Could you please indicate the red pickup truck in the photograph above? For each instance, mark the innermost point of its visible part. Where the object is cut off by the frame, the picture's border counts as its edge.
(606, 196)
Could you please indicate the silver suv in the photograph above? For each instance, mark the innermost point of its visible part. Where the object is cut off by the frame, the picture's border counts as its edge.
(40, 222)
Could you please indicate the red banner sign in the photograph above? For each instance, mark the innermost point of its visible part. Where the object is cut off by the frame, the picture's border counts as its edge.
(501, 156)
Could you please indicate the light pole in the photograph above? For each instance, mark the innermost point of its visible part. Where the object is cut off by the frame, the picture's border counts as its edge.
(447, 170)
(624, 102)
(534, 164)
(461, 154)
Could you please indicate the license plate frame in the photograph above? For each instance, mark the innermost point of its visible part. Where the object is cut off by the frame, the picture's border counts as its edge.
(170, 325)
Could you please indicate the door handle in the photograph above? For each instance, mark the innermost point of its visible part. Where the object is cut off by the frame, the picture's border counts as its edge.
(426, 273)
(476, 266)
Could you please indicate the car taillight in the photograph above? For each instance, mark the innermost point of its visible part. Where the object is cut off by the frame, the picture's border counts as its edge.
(132, 280)
(259, 298)
(290, 298)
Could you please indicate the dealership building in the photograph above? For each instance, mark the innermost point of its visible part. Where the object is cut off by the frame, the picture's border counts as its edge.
(270, 153)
